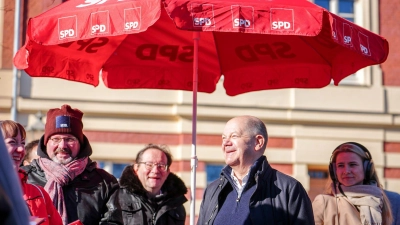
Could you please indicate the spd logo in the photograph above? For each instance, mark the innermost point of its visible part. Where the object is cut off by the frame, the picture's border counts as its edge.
(132, 18)
(202, 15)
(67, 27)
(282, 19)
(347, 35)
(91, 2)
(242, 16)
(364, 44)
(46, 70)
(201, 21)
(100, 22)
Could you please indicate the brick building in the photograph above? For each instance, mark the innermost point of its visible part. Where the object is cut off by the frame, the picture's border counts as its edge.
(304, 125)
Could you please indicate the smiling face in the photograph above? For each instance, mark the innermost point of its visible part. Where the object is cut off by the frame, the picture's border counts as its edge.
(62, 148)
(14, 138)
(153, 179)
(349, 169)
(16, 148)
(239, 145)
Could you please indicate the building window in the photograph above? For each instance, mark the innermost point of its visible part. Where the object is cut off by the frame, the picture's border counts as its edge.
(343, 8)
(318, 174)
(213, 171)
(323, 3)
(113, 168)
(348, 9)
(318, 180)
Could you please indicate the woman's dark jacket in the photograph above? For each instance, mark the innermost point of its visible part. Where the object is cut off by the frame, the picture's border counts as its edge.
(136, 208)
(86, 197)
(278, 198)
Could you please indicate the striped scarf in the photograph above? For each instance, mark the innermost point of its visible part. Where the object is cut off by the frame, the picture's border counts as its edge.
(59, 175)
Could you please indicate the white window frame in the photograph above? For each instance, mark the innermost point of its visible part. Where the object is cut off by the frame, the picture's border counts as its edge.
(362, 18)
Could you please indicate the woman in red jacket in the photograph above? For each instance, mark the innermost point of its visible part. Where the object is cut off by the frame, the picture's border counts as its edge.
(37, 199)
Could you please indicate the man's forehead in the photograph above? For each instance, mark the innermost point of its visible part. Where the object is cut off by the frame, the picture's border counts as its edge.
(234, 126)
(231, 130)
(153, 152)
(237, 131)
(62, 135)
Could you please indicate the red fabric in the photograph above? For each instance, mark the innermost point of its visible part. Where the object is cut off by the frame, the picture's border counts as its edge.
(256, 45)
(39, 202)
(59, 175)
(73, 125)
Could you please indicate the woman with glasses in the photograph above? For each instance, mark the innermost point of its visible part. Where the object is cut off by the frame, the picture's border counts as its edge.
(36, 198)
(149, 193)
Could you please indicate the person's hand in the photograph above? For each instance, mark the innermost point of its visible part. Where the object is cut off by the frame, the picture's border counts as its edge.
(33, 220)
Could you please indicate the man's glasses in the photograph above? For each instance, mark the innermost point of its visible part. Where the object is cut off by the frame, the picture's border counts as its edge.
(150, 165)
(69, 140)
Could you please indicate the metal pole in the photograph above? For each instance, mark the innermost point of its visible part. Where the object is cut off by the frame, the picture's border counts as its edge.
(193, 161)
(17, 18)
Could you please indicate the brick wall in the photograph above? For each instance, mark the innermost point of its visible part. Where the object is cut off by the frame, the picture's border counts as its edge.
(392, 147)
(29, 8)
(8, 34)
(390, 29)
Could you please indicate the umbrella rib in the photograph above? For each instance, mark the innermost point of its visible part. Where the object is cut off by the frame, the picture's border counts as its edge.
(317, 52)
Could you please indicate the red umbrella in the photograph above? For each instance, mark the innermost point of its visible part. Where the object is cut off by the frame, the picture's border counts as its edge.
(256, 45)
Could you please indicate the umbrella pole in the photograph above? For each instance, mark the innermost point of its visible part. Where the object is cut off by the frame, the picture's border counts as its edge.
(193, 160)
(16, 46)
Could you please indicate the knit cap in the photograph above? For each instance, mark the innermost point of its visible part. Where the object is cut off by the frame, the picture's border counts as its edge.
(64, 121)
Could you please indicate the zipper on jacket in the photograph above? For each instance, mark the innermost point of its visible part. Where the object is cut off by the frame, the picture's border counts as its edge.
(212, 214)
(154, 219)
(76, 195)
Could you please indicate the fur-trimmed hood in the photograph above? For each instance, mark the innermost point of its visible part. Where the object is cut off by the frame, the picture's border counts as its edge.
(172, 187)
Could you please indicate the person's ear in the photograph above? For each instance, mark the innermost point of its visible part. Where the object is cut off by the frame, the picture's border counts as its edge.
(135, 167)
(259, 142)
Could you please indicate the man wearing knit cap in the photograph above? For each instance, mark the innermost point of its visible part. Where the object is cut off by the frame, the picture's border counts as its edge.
(79, 190)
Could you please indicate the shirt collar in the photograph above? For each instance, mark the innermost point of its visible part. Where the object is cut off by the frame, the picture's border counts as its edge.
(239, 187)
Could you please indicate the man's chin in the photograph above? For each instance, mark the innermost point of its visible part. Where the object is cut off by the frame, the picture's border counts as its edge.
(62, 160)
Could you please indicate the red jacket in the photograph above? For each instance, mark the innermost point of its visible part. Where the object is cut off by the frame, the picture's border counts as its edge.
(39, 202)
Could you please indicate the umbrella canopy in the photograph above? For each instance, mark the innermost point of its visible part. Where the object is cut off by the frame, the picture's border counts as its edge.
(256, 45)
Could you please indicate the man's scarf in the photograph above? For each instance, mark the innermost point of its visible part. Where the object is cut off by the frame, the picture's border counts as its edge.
(59, 175)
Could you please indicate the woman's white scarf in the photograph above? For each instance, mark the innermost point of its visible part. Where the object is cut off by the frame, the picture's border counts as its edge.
(368, 199)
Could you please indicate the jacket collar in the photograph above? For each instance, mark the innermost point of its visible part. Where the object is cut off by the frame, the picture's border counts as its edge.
(260, 170)
(23, 176)
(172, 187)
(258, 167)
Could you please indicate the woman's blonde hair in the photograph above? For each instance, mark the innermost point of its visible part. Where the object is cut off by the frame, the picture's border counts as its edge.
(365, 156)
